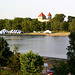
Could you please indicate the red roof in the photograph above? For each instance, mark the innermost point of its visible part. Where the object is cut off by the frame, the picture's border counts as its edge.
(41, 15)
(49, 14)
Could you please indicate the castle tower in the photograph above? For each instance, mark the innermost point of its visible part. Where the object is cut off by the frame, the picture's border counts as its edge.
(49, 16)
(41, 17)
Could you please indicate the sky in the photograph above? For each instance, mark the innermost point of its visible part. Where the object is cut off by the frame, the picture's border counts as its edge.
(10, 9)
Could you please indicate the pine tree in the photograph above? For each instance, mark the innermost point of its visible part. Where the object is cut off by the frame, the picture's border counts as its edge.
(71, 53)
(5, 53)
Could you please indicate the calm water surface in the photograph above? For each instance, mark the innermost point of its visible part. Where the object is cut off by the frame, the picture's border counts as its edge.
(44, 45)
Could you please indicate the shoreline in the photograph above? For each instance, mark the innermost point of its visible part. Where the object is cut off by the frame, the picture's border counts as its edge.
(60, 34)
(57, 58)
(51, 61)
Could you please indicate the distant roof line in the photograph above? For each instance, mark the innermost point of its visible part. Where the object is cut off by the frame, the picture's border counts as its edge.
(41, 14)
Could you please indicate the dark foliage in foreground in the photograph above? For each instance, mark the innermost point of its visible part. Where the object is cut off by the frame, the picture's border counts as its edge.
(5, 52)
(71, 53)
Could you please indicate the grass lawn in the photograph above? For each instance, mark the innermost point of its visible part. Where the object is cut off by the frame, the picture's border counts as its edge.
(51, 34)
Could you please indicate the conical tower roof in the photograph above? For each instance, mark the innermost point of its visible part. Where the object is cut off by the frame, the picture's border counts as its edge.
(49, 14)
(41, 15)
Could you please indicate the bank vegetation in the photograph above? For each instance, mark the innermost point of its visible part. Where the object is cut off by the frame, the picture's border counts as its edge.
(57, 23)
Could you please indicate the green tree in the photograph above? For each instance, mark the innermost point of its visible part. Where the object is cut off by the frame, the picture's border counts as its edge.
(64, 26)
(31, 63)
(2, 24)
(17, 23)
(55, 25)
(55, 22)
(8, 24)
(59, 17)
(29, 25)
(35, 25)
(29, 19)
(14, 63)
(25, 25)
(61, 68)
(5, 52)
(71, 53)
(47, 26)
(42, 26)
(72, 26)
(70, 18)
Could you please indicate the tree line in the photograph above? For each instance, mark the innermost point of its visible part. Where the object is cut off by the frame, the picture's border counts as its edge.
(57, 23)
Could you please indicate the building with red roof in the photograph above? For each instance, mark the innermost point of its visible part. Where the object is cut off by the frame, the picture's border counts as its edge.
(49, 15)
(42, 17)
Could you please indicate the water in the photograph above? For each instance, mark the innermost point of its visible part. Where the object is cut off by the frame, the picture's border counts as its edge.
(43, 45)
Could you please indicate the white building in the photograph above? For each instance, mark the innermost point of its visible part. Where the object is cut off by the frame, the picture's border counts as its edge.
(42, 17)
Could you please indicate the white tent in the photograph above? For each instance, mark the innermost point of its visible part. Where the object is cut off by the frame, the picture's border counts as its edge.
(47, 31)
(3, 31)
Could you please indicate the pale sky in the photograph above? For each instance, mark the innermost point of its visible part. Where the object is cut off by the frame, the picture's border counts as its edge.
(32, 8)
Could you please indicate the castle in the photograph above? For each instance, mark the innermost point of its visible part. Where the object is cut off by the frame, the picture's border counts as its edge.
(42, 17)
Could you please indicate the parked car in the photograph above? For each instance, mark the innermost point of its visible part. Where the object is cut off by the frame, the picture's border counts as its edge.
(47, 31)
(50, 71)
